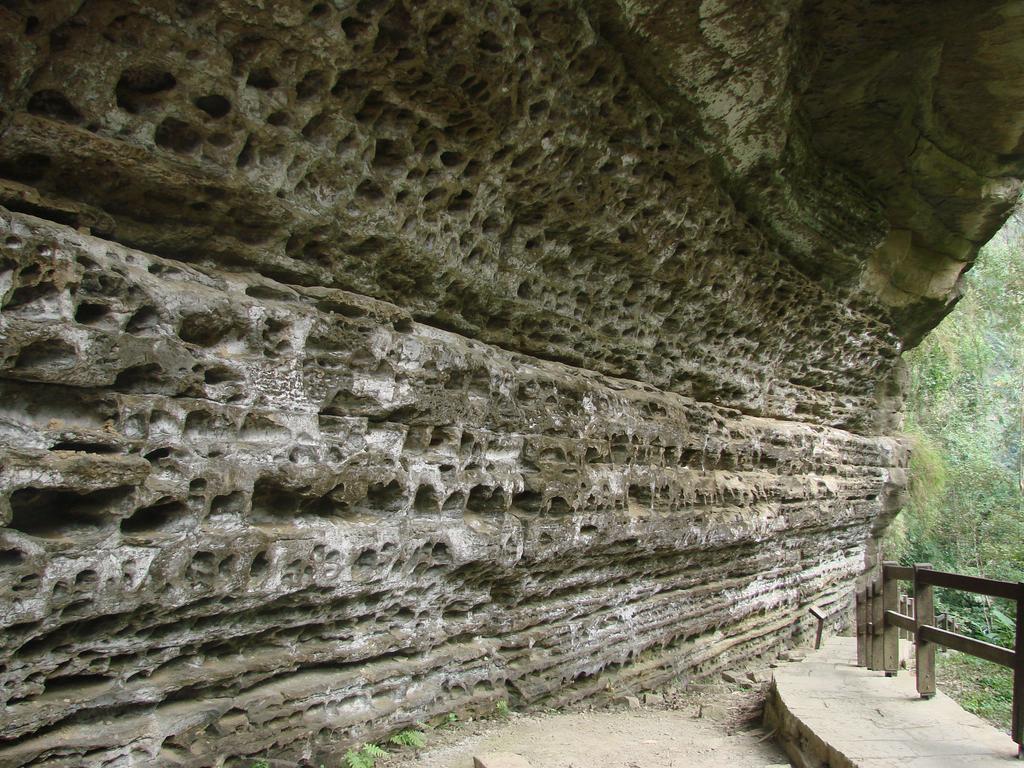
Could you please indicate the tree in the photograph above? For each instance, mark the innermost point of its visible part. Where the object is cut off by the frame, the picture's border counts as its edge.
(965, 419)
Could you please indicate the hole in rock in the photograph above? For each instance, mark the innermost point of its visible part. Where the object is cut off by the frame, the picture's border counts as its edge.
(353, 27)
(147, 377)
(206, 424)
(71, 685)
(227, 566)
(272, 500)
(485, 500)
(368, 190)
(228, 504)
(158, 454)
(246, 155)
(214, 105)
(11, 557)
(29, 167)
(641, 494)
(177, 135)
(155, 518)
(441, 437)
(46, 353)
(220, 374)
(310, 84)
(265, 292)
(381, 498)
(387, 154)
(461, 202)
(84, 447)
(51, 513)
(367, 557)
(260, 428)
(144, 320)
(451, 159)
(205, 329)
(426, 502)
(259, 565)
(489, 42)
(262, 79)
(528, 501)
(455, 503)
(54, 104)
(559, 507)
(393, 30)
(137, 86)
(89, 313)
(26, 294)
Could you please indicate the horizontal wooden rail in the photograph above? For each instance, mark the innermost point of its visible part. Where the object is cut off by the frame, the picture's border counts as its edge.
(902, 572)
(994, 653)
(975, 584)
(880, 621)
(901, 621)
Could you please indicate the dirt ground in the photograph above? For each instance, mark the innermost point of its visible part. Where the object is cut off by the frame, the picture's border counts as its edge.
(718, 728)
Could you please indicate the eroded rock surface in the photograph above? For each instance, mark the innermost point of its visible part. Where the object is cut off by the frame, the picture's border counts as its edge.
(362, 362)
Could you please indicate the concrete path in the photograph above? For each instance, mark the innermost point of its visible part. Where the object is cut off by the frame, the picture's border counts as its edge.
(831, 712)
(646, 739)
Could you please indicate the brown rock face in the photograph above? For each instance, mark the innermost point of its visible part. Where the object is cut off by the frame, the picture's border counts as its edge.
(362, 362)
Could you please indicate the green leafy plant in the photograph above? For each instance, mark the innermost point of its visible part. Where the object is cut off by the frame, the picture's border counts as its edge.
(964, 510)
(979, 686)
(501, 709)
(408, 738)
(260, 764)
(365, 756)
(451, 718)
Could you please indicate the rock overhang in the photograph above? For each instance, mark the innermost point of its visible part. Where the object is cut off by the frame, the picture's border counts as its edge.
(362, 361)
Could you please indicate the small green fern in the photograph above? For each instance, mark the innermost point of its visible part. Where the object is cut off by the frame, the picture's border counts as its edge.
(408, 738)
(501, 708)
(364, 757)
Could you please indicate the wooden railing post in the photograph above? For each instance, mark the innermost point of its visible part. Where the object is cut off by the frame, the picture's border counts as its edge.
(1017, 716)
(890, 632)
(862, 629)
(903, 609)
(924, 615)
(869, 624)
(878, 624)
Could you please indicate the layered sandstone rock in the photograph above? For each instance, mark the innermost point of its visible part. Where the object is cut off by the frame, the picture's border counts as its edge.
(362, 362)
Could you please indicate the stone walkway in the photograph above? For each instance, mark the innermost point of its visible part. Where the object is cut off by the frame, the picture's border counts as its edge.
(831, 712)
(646, 739)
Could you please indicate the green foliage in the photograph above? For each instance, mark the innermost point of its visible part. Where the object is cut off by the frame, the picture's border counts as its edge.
(965, 420)
(408, 738)
(365, 756)
(980, 687)
(501, 709)
(260, 764)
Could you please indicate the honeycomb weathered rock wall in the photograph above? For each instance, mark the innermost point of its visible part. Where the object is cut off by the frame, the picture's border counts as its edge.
(243, 516)
(365, 361)
(493, 170)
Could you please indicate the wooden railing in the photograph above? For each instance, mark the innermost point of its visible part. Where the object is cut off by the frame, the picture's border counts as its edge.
(880, 621)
